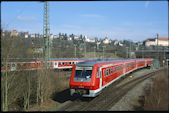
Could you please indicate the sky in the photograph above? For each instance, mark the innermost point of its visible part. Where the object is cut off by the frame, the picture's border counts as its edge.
(121, 20)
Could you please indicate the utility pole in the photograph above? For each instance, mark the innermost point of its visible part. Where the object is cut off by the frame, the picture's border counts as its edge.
(46, 33)
(84, 49)
(157, 48)
(94, 51)
(103, 51)
(130, 49)
(164, 52)
(164, 56)
(127, 52)
(75, 49)
(142, 52)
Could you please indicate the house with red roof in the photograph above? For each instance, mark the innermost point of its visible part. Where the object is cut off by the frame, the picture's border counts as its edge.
(161, 41)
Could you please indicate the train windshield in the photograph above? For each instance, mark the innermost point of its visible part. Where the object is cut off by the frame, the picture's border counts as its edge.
(83, 72)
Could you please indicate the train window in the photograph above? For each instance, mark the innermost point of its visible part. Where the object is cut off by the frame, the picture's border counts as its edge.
(29, 64)
(24, 65)
(73, 63)
(55, 63)
(97, 72)
(34, 64)
(111, 70)
(83, 72)
(66, 63)
(104, 72)
(69, 63)
(107, 72)
(8, 65)
(59, 63)
(62, 63)
(18, 65)
(13, 65)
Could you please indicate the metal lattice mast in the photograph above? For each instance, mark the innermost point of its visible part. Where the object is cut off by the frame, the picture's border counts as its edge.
(46, 32)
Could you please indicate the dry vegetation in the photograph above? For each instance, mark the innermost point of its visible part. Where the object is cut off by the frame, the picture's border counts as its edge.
(100, 54)
(27, 90)
(24, 89)
(157, 98)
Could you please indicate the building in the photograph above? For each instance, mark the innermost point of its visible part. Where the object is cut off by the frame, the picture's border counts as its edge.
(69, 38)
(55, 36)
(76, 37)
(106, 40)
(26, 35)
(32, 35)
(162, 41)
(139, 44)
(3, 34)
(115, 42)
(14, 33)
(88, 40)
(51, 36)
(37, 35)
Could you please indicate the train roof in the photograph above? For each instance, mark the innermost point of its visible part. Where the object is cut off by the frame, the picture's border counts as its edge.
(91, 63)
(83, 58)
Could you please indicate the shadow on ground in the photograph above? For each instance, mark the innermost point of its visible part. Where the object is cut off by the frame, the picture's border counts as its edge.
(62, 96)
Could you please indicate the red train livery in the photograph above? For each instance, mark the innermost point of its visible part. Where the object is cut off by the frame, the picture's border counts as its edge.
(58, 63)
(89, 78)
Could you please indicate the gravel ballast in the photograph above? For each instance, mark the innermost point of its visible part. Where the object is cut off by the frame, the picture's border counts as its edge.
(130, 101)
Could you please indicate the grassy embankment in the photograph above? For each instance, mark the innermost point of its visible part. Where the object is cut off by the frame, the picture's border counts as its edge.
(157, 98)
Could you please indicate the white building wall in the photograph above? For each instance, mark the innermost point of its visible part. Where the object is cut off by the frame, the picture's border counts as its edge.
(163, 42)
(106, 41)
(150, 43)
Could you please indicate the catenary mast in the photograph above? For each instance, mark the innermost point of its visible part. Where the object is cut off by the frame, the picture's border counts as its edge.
(46, 33)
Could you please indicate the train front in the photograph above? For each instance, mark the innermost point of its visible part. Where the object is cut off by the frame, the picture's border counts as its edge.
(82, 80)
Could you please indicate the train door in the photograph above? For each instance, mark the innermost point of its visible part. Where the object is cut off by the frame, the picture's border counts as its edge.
(13, 67)
(55, 65)
(100, 85)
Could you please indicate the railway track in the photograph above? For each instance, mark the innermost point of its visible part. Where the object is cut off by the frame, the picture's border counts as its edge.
(109, 96)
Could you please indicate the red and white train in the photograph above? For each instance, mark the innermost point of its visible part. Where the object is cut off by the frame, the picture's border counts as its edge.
(89, 78)
(58, 63)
